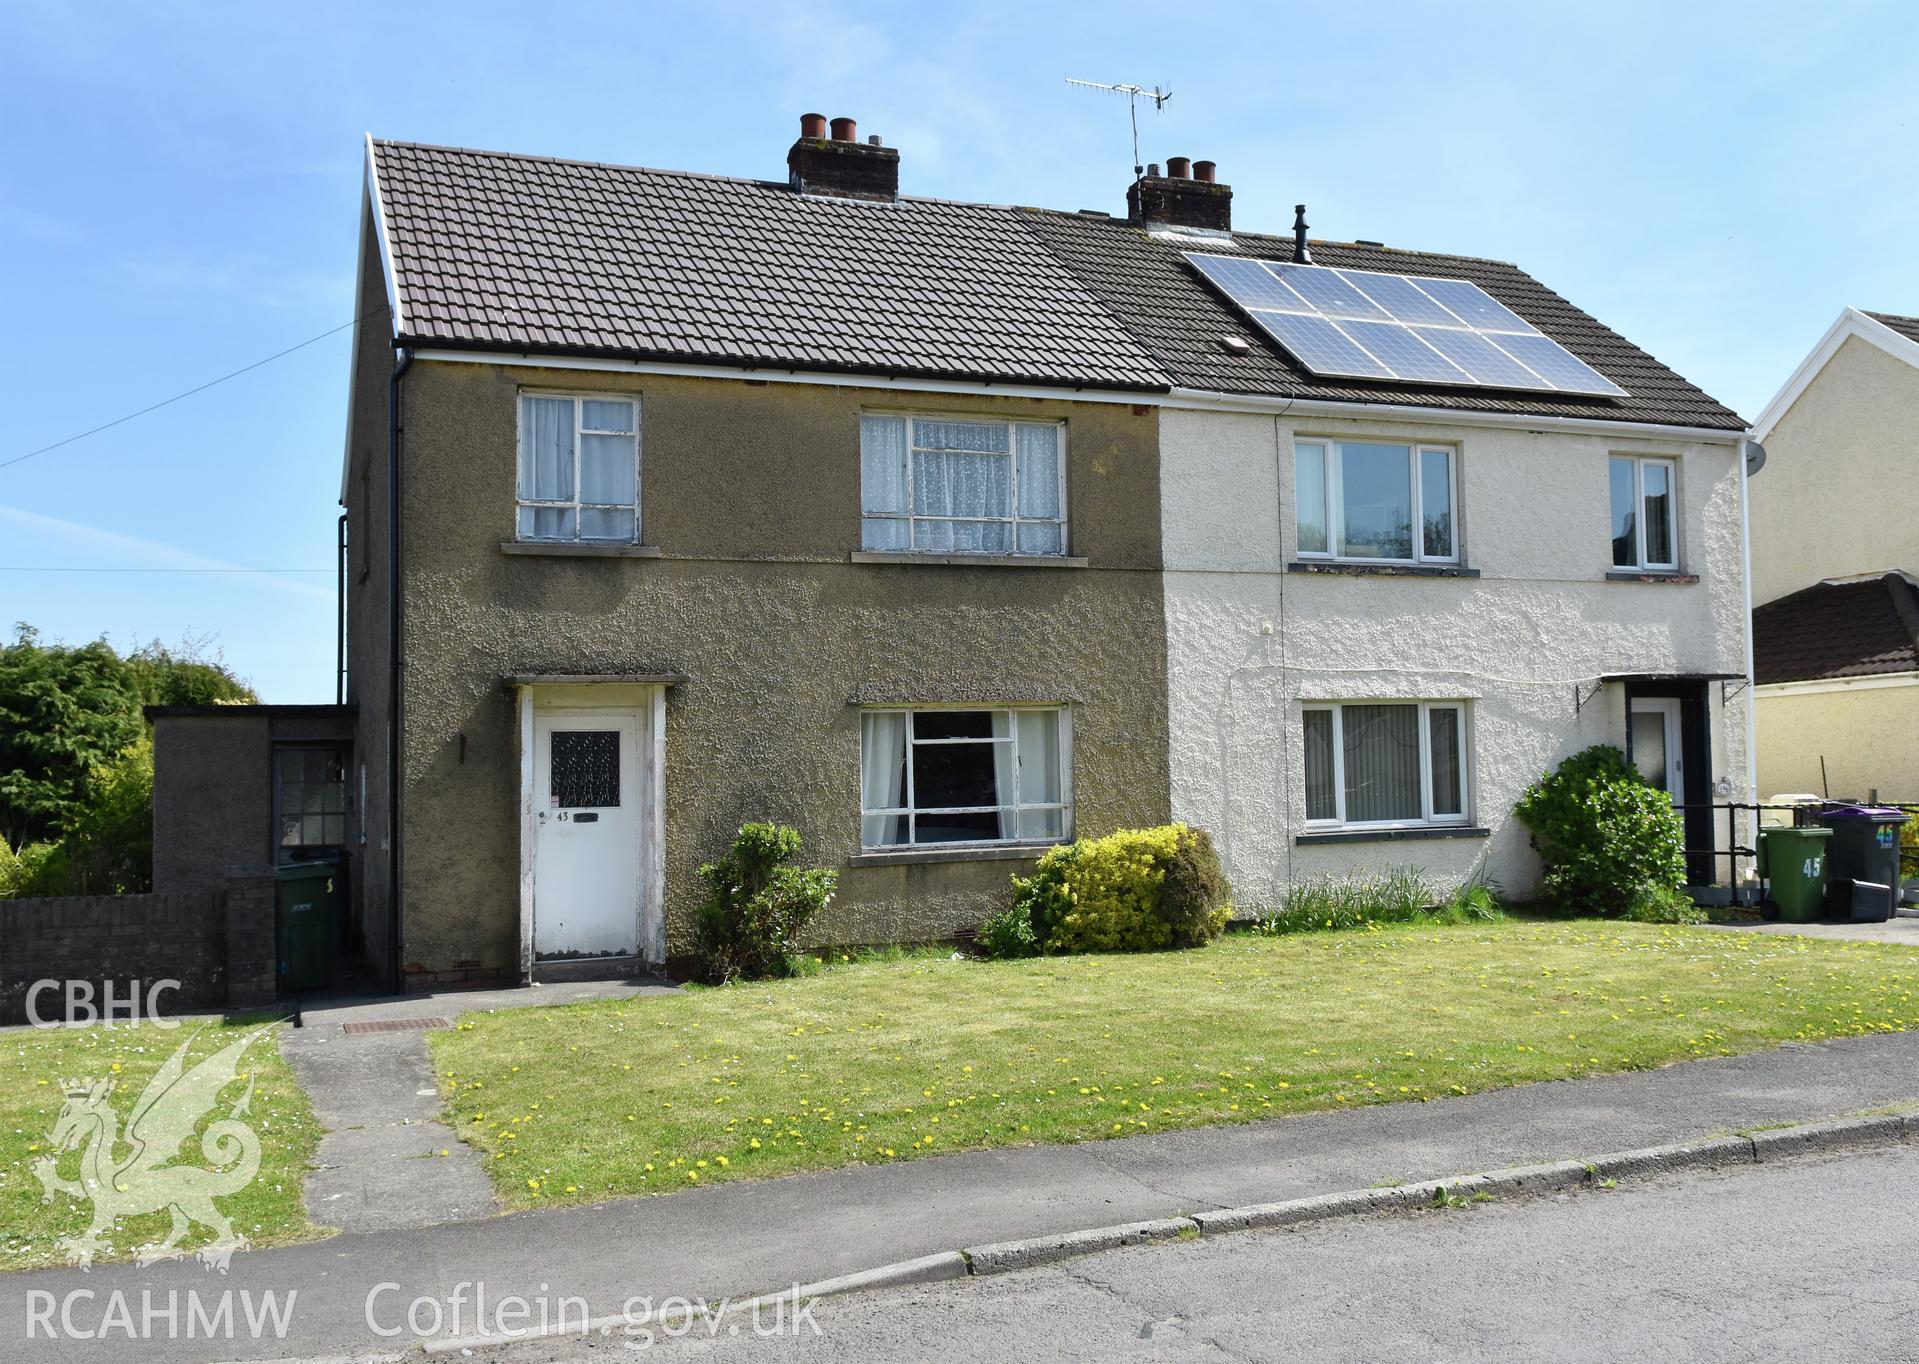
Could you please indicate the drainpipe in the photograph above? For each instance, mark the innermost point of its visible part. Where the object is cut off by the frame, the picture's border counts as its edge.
(394, 430)
(1747, 449)
(339, 614)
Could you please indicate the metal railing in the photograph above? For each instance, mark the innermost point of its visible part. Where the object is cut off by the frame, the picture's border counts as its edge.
(1801, 815)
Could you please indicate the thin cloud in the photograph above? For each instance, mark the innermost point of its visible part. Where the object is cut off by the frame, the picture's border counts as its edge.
(135, 551)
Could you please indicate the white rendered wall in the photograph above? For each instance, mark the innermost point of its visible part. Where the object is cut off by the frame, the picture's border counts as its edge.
(1247, 641)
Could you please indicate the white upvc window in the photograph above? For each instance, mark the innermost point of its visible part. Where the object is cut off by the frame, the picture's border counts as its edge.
(1382, 764)
(952, 775)
(1376, 501)
(579, 468)
(1645, 513)
(962, 485)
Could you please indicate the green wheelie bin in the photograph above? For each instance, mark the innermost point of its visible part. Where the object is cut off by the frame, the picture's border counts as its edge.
(1793, 861)
(305, 914)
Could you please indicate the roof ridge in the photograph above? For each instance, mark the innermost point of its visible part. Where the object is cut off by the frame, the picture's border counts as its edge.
(1234, 236)
(637, 169)
(1905, 600)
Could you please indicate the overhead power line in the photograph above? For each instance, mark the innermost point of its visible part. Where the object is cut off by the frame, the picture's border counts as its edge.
(199, 388)
(37, 568)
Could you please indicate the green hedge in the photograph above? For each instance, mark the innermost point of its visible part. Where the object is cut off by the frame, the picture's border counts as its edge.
(1136, 890)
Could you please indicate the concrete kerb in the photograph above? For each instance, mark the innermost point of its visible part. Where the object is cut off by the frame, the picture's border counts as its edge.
(1005, 1256)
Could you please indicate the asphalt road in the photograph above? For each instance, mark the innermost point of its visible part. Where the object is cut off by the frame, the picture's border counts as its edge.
(1811, 1259)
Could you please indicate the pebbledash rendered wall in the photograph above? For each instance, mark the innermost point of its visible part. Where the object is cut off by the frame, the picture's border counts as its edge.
(1248, 641)
(750, 493)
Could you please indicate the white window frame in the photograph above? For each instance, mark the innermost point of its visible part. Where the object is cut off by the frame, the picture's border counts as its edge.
(1428, 817)
(912, 519)
(1639, 462)
(579, 400)
(911, 811)
(1334, 510)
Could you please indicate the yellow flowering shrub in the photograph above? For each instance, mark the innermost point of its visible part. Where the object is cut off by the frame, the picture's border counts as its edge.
(1135, 890)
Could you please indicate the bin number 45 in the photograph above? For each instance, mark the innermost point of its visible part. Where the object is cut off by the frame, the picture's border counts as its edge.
(1813, 864)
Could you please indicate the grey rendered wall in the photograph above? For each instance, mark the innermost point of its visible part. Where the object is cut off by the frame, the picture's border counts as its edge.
(751, 494)
(365, 499)
(212, 799)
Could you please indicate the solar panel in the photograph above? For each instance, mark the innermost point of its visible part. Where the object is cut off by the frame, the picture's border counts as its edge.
(1423, 329)
(1320, 346)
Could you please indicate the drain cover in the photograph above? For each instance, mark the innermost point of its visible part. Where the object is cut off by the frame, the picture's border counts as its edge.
(396, 1025)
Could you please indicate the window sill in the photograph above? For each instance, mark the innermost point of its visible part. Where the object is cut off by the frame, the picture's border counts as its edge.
(1650, 575)
(863, 556)
(1393, 835)
(1359, 570)
(1010, 852)
(580, 549)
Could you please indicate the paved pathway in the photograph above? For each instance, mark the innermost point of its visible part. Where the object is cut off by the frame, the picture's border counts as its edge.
(387, 1161)
(1901, 928)
(738, 1239)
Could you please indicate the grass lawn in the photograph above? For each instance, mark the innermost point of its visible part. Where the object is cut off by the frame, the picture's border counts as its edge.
(882, 1061)
(33, 1066)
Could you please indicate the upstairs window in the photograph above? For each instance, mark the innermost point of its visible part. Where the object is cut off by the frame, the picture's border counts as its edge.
(938, 485)
(1385, 763)
(1368, 502)
(1645, 531)
(965, 776)
(579, 469)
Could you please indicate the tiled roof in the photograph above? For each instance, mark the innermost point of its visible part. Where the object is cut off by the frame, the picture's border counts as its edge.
(1907, 327)
(527, 253)
(1144, 279)
(1847, 629)
(507, 252)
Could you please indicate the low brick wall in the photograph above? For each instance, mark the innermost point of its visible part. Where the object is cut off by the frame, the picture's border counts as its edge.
(217, 944)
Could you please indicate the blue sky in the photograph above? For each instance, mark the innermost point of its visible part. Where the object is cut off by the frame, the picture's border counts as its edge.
(179, 193)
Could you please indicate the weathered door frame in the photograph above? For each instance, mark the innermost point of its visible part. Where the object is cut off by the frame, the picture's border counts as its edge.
(645, 699)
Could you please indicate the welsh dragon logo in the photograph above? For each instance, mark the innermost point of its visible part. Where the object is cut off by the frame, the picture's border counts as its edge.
(164, 1117)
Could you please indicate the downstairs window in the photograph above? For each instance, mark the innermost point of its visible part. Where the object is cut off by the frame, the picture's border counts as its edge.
(1381, 764)
(965, 776)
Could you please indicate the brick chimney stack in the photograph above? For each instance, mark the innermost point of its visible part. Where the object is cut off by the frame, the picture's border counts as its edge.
(1188, 195)
(840, 165)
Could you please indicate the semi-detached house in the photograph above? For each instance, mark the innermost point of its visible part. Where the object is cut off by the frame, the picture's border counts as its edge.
(948, 531)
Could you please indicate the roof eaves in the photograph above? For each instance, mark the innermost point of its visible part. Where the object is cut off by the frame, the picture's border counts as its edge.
(1851, 322)
(748, 367)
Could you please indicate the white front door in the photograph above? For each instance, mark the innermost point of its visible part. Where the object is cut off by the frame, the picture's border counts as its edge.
(588, 834)
(1655, 744)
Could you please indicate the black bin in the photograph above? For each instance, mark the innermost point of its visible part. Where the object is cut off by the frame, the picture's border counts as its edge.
(1863, 869)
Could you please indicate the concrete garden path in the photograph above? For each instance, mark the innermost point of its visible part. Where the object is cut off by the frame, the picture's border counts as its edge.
(733, 1240)
(1903, 927)
(387, 1161)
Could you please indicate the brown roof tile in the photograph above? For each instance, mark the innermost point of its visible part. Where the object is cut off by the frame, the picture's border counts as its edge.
(1832, 630)
(1144, 279)
(507, 252)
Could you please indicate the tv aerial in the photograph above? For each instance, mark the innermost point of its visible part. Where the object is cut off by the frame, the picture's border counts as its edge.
(1134, 94)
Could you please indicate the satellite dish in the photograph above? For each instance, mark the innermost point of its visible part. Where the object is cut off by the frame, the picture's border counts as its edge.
(1755, 454)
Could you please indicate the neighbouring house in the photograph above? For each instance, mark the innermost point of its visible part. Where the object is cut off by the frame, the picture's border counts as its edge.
(947, 531)
(1834, 550)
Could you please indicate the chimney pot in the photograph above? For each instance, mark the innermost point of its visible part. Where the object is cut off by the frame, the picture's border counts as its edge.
(845, 130)
(872, 139)
(812, 125)
(1179, 168)
(1152, 169)
(1203, 171)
